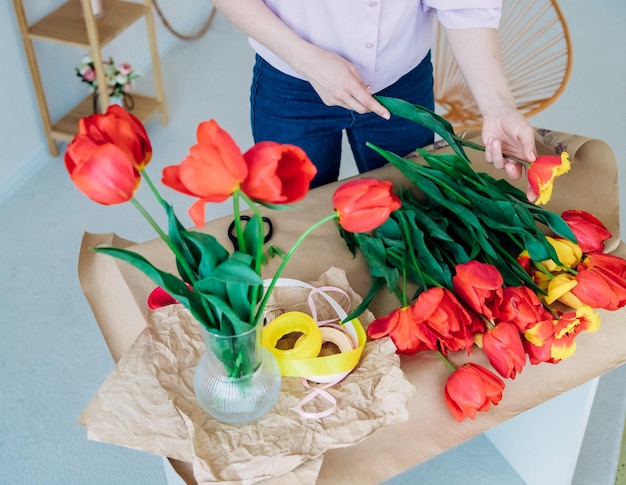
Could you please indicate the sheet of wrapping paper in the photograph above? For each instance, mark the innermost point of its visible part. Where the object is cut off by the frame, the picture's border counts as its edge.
(591, 185)
(162, 363)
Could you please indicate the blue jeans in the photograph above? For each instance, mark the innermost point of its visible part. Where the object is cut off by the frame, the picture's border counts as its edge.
(287, 110)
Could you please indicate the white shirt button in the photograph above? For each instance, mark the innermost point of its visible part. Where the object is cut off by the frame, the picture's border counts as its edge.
(369, 45)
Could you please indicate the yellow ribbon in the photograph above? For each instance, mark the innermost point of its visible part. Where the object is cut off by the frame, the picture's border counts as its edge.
(308, 344)
(303, 360)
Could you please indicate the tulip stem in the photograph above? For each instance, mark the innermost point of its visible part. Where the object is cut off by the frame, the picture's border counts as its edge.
(446, 361)
(479, 147)
(165, 238)
(153, 189)
(179, 257)
(258, 257)
(547, 307)
(286, 259)
(238, 228)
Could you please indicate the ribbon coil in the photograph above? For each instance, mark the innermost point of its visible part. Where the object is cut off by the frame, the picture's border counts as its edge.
(303, 359)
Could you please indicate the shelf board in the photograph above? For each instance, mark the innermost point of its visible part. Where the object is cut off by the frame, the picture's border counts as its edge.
(67, 127)
(66, 24)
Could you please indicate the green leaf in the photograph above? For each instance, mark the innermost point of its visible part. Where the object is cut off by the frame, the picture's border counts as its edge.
(173, 285)
(414, 173)
(505, 187)
(458, 253)
(208, 251)
(501, 211)
(424, 117)
(431, 227)
(449, 163)
(555, 222)
(536, 248)
(252, 234)
(175, 231)
(230, 284)
(376, 286)
(229, 316)
(274, 251)
(390, 233)
(465, 234)
(236, 269)
(508, 262)
(239, 298)
(375, 255)
(350, 239)
(418, 252)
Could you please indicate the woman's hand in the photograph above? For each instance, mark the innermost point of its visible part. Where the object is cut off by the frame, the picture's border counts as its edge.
(338, 82)
(507, 132)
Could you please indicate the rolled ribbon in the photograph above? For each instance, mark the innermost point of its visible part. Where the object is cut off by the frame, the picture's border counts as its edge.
(307, 346)
(328, 368)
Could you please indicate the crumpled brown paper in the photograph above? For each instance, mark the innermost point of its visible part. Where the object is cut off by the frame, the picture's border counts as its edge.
(148, 403)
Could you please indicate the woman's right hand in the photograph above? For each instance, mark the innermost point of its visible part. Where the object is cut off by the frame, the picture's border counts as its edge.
(338, 83)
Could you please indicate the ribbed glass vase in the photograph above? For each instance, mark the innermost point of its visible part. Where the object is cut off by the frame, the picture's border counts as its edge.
(236, 380)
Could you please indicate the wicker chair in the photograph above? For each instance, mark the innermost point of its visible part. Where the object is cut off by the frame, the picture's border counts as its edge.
(537, 57)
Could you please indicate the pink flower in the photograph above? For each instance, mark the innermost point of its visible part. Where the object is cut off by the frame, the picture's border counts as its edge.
(89, 75)
(125, 68)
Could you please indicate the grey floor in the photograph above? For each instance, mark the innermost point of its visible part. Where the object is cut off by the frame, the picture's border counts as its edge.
(52, 356)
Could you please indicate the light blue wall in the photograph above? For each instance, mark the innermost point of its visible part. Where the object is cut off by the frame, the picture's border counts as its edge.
(24, 148)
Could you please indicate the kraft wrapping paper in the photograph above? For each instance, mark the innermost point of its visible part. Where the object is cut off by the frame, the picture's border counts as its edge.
(119, 305)
(148, 403)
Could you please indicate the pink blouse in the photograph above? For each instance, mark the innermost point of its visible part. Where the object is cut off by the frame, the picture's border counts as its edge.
(384, 39)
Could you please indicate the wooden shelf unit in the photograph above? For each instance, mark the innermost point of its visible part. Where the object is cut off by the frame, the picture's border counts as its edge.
(73, 24)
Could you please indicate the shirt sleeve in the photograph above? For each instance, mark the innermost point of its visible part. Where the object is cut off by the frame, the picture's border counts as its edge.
(465, 14)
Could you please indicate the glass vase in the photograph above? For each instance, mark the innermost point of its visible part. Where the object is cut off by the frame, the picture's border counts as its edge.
(236, 380)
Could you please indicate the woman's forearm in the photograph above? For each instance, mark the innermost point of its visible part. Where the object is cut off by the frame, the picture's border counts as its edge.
(477, 51)
(256, 20)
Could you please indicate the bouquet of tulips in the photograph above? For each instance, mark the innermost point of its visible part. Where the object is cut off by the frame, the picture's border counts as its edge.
(222, 289)
(470, 267)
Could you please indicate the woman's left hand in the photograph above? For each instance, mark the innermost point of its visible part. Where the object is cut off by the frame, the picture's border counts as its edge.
(507, 132)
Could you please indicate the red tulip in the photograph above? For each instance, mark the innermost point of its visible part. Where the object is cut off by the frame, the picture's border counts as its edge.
(105, 174)
(538, 354)
(522, 307)
(472, 388)
(609, 262)
(401, 328)
(364, 204)
(105, 157)
(559, 332)
(118, 127)
(479, 286)
(589, 230)
(438, 313)
(542, 172)
(213, 170)
(277, 174)
(504, 349)
(600, 288)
